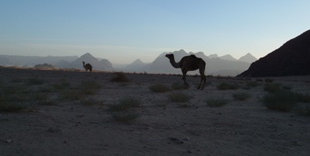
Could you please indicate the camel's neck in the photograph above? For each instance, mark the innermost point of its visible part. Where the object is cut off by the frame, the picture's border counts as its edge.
(84, 65)
(173, 63)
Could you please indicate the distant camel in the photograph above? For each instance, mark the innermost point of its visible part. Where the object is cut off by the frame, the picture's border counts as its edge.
(190, 63)
(87, 67)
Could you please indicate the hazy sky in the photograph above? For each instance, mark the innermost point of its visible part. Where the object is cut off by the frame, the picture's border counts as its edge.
(123, 30)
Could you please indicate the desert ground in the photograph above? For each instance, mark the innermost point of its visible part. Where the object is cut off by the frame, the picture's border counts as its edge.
(46, 112)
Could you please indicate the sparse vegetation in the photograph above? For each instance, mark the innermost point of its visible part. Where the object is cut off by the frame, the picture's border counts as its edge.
(159, 88)
(125, 104)
(179, 97)
(13, 98)
(91, 102)
(303, 109)
(273, 87)
(125, 117)
(251, 84)
(84, 89)
(119, 77)
(284, 100)
(42, 99)
(268, 80)
(123, 110)
(227, 86)
(34, 81)
(241, 96)
(179, 86)
(63, 84)
(17, 80)
(216, 102)
(71, 94)
(10, 107)
(89, 87)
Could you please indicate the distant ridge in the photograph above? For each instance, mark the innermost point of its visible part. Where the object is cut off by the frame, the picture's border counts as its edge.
(56, 61)
(292, 58)
(248, 58)
(97, 64)
(215, 65)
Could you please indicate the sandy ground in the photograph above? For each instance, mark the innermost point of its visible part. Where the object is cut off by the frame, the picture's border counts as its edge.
(162, 128)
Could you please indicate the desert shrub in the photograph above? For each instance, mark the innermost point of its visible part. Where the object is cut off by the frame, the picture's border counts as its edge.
(216, 102)
(41, 98)
(17, 80)
(268, 80)
(303, 109)
(90, 102)
(63, 84)
(251, 84)
(241, 96)
(119, 77)
(10, 104)
(125, 104)
(184, 105)
(71, 94)
(227, 86)
(125, 117)
(89, 87)
(159, 88)
(273, 87)
(284, 100)
(34, 81)
(179, 86)
(10, 107)
(179, 97)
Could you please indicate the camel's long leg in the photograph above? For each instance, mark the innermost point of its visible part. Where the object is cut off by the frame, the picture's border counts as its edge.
(202, 78)
(184, 76)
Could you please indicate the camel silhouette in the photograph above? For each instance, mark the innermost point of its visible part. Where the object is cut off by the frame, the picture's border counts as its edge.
(87, 67)
(190, 63)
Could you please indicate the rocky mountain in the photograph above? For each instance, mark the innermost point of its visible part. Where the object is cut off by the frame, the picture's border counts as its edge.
(213, 56)
(98, 64)
(136, 65)
(56, 61)
(228, 58)
(249, 58)
(292, 58)
(13, 60)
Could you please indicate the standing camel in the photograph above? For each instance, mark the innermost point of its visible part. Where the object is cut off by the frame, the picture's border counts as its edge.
(190, 63)
(87, 67)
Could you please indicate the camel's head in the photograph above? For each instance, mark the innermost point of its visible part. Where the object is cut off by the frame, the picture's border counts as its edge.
(169, 56)
(83, 62)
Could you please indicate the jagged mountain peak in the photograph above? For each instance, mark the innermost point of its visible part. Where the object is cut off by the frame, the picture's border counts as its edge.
(248, 58)
(228, 57)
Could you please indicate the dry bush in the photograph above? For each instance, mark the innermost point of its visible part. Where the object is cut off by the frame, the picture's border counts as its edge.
(227, 86)
(179, 86)
(63, 84)
(251, 84)
(241, 96)
(125, 117)
(124, 111)
(89, 87)
(91, 102)
(159, 88)
(284, 100)
(179, 97)
(34, 81)
(273, 87)
(125, 104)
(119, 77)
(216, 102)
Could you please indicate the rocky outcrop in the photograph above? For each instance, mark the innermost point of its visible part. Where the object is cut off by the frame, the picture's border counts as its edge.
(292, 58)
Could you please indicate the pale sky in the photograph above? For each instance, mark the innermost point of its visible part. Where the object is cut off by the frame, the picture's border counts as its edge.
(124, 30)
